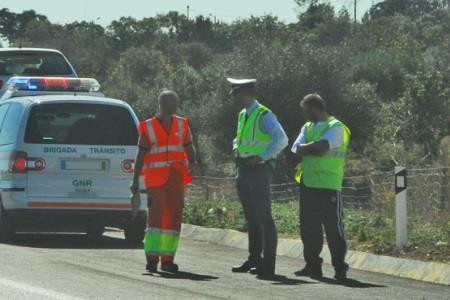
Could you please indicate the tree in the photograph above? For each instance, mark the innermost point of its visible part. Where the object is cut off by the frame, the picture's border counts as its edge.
(84, 43)
(12, 25)
(411, 8)
(135, 74)
(384, 69)
(385, 77)
(129, 32)
(316, 14)
(303, 3)
(196, 55)
(427, 100)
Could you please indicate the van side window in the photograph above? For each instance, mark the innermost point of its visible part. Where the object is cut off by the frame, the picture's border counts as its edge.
(11, 124)
(3, 110)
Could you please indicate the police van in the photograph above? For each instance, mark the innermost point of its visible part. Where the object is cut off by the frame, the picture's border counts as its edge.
(66, 158)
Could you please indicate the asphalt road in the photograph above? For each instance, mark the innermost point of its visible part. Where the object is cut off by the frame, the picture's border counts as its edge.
(72, 267)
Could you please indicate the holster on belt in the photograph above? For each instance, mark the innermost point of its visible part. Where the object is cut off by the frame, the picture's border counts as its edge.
(242, 161)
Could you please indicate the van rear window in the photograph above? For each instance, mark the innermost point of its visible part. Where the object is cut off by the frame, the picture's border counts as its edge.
(80, 124)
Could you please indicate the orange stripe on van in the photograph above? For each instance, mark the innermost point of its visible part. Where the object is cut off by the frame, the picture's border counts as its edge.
(79, 204)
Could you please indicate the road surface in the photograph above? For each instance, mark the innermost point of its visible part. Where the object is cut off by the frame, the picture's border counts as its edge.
(72, 267)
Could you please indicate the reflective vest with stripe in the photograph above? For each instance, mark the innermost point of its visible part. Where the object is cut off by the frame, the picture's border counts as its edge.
(250, 139)
(327, 171)
(166, 151)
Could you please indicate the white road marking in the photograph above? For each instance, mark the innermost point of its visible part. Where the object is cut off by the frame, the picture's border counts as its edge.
(37, 291)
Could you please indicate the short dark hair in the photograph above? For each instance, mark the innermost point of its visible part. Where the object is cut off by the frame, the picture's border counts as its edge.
(250, 89)
(168, 94)
(313, 101)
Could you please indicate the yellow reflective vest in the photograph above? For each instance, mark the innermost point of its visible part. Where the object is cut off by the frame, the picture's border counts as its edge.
(327, 171)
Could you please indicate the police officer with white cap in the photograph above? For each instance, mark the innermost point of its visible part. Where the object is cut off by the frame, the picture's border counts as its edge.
(259, 139)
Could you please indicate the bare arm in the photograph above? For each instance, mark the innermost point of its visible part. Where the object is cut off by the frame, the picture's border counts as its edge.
(138, 165)
(143, 148)
(190, 148)
(191, 152)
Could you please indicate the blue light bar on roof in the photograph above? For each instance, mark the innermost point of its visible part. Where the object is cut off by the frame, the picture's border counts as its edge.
(62, 84)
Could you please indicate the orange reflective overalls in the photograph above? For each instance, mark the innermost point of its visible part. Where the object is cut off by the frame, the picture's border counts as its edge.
(166, 174)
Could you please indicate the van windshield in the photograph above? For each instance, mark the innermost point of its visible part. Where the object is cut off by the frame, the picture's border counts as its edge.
(80, 124)
(34, 63)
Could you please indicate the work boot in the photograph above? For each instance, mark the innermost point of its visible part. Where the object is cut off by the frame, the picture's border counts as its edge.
(312, 272)
(263, 271)
(152, 266)
(170, 267)
(245, 267)
(341, 274)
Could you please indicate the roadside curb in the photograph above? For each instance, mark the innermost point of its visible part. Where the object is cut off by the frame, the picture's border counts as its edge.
(401, 267)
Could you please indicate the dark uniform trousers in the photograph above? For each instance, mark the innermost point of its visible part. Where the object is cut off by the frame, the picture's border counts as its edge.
(322, 207)
(253, 186)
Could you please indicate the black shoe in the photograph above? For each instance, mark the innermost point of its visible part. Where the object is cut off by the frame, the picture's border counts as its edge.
(169, 267)
(315, 273)
(245, 267)
(263, 272)
(341, 275)
(152, 267)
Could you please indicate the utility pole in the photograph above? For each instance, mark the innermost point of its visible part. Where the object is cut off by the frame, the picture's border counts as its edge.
(187, 12)
(354, 11)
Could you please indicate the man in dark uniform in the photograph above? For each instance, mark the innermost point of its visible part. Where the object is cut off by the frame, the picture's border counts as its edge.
(259, 139)
(322, 144)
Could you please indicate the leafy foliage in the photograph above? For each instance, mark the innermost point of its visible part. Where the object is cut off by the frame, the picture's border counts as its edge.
(386, 76)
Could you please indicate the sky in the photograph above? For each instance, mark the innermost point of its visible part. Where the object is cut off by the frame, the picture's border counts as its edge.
(104, 11)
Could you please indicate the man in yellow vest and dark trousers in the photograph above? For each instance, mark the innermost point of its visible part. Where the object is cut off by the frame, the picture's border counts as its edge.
(322, 144)
(259, 139)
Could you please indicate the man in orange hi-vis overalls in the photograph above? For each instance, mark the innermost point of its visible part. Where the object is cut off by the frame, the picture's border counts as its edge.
(165, 151)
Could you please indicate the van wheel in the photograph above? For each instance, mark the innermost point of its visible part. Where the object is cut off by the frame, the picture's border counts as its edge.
(135, 230)
(95, 231)
(7, 230)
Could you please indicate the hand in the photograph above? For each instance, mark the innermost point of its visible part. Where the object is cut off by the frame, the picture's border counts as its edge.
(255, 160)
(134, 187)
(191, 168)
(135, 205)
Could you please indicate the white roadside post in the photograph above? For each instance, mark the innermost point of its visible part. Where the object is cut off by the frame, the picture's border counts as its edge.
(401, 216)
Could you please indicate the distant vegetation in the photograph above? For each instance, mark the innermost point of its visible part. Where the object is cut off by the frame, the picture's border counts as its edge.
(386, 76)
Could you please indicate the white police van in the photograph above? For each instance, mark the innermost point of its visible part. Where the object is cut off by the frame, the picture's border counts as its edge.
(66, 158)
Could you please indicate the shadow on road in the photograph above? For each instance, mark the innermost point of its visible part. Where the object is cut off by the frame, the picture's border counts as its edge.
(183, 275)
(351, 283)
(283, 280)
(70, 241)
